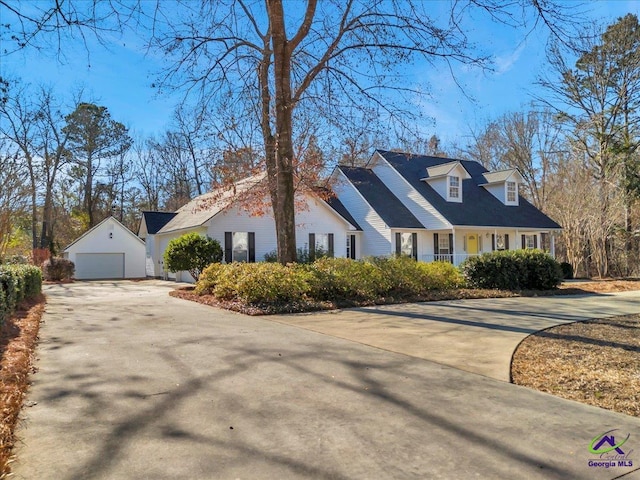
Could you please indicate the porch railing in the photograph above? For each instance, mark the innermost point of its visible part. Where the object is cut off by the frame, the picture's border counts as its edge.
(455, 258)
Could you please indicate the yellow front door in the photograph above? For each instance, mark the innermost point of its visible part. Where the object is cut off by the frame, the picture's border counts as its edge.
(472, 244)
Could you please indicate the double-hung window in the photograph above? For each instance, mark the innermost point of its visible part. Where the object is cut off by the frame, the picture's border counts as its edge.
(529, 241)
(407, 244)
(320, 245)
(239, 247)
(454, 187)
(512, 192)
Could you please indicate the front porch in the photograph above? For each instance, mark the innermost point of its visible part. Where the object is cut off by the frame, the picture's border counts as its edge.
(458, 244)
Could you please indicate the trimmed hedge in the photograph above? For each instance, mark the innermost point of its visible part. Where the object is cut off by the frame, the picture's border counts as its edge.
(17, 283)
(513, 270)
(326, 279)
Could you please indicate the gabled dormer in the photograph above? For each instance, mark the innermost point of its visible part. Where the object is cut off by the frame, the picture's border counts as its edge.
(504, 185)
(446, 179)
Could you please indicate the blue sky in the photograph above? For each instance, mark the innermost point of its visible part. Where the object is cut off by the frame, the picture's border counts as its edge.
(121, 76)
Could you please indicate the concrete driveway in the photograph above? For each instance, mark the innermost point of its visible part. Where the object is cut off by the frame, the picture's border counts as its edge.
(134, 384)
(477, 336)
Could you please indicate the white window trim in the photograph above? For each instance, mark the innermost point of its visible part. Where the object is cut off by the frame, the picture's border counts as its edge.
(451, 186)
(234, 236)
(506, 193)
(531, 237)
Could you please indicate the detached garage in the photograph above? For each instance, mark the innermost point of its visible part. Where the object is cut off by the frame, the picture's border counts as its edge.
(107, 251)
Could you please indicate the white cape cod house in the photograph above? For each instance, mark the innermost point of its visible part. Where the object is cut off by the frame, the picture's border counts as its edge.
(429, 208)
(434, 208)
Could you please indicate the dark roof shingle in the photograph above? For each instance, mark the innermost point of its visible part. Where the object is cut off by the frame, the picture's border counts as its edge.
(382, 200)
(154, 221)
(478, 207)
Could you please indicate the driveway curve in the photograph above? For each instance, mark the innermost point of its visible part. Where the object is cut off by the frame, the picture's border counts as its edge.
(478, 336)
(134, 384)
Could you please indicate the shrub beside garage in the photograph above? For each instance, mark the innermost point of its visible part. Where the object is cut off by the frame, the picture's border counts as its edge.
(17, 283)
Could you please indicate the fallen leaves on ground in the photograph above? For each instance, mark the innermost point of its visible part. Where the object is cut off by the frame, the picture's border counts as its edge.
(595, 362)
(17, 345)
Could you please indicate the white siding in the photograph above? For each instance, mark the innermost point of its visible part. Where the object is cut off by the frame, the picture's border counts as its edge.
(497, 190)
(317, 218)
(416, 203)
(376, 236)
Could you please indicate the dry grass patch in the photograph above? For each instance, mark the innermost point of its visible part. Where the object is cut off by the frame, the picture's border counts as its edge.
(17, 344)
(595, 362)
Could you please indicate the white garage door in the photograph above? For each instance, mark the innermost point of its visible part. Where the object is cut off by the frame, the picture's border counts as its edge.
(90, 266)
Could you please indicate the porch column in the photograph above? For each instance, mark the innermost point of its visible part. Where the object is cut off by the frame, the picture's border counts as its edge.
(453, 247)
(552, 244)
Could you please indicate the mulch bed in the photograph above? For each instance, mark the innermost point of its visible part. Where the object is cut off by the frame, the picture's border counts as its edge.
(187, 293)
(595, 362)
(18, 339)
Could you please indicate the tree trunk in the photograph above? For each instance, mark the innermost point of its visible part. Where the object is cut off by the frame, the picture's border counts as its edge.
(283, 190)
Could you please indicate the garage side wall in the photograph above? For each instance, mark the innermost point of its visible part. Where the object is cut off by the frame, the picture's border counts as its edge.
(108, 241)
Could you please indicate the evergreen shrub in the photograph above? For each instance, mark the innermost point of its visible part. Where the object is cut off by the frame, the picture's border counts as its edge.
(512, 270)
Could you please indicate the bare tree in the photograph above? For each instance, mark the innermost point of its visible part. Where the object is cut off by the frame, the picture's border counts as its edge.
(19, 126)
(14, 194)
(597, 98)
(532, 142)
(148, 173)
(328, 54)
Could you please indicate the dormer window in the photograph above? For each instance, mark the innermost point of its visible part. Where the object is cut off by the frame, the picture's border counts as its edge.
(503, 185)
(447, 179)
(454, 187)
(512, 192)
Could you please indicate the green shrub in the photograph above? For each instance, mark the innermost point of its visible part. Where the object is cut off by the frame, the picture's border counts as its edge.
(56, 269)
(343, 278)
(208, 279)
(255, 282)
(513, 270)
(567, 270)
(272, 283)
(4, 307)
(8, 283)
(192, 252)
(440, 275)
(17, 283)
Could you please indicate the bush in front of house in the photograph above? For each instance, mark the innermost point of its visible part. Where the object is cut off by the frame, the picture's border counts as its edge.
(326, 279)
(512, 270)
(57, 269)
(192, 252)
(567, 270)
(17, 283)
(346, 279)
(265, 282)
(440, 275)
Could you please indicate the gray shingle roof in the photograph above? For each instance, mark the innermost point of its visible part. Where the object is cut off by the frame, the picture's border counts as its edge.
(154, 221)
(382, 200)
(204, 207)
(478, 207)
